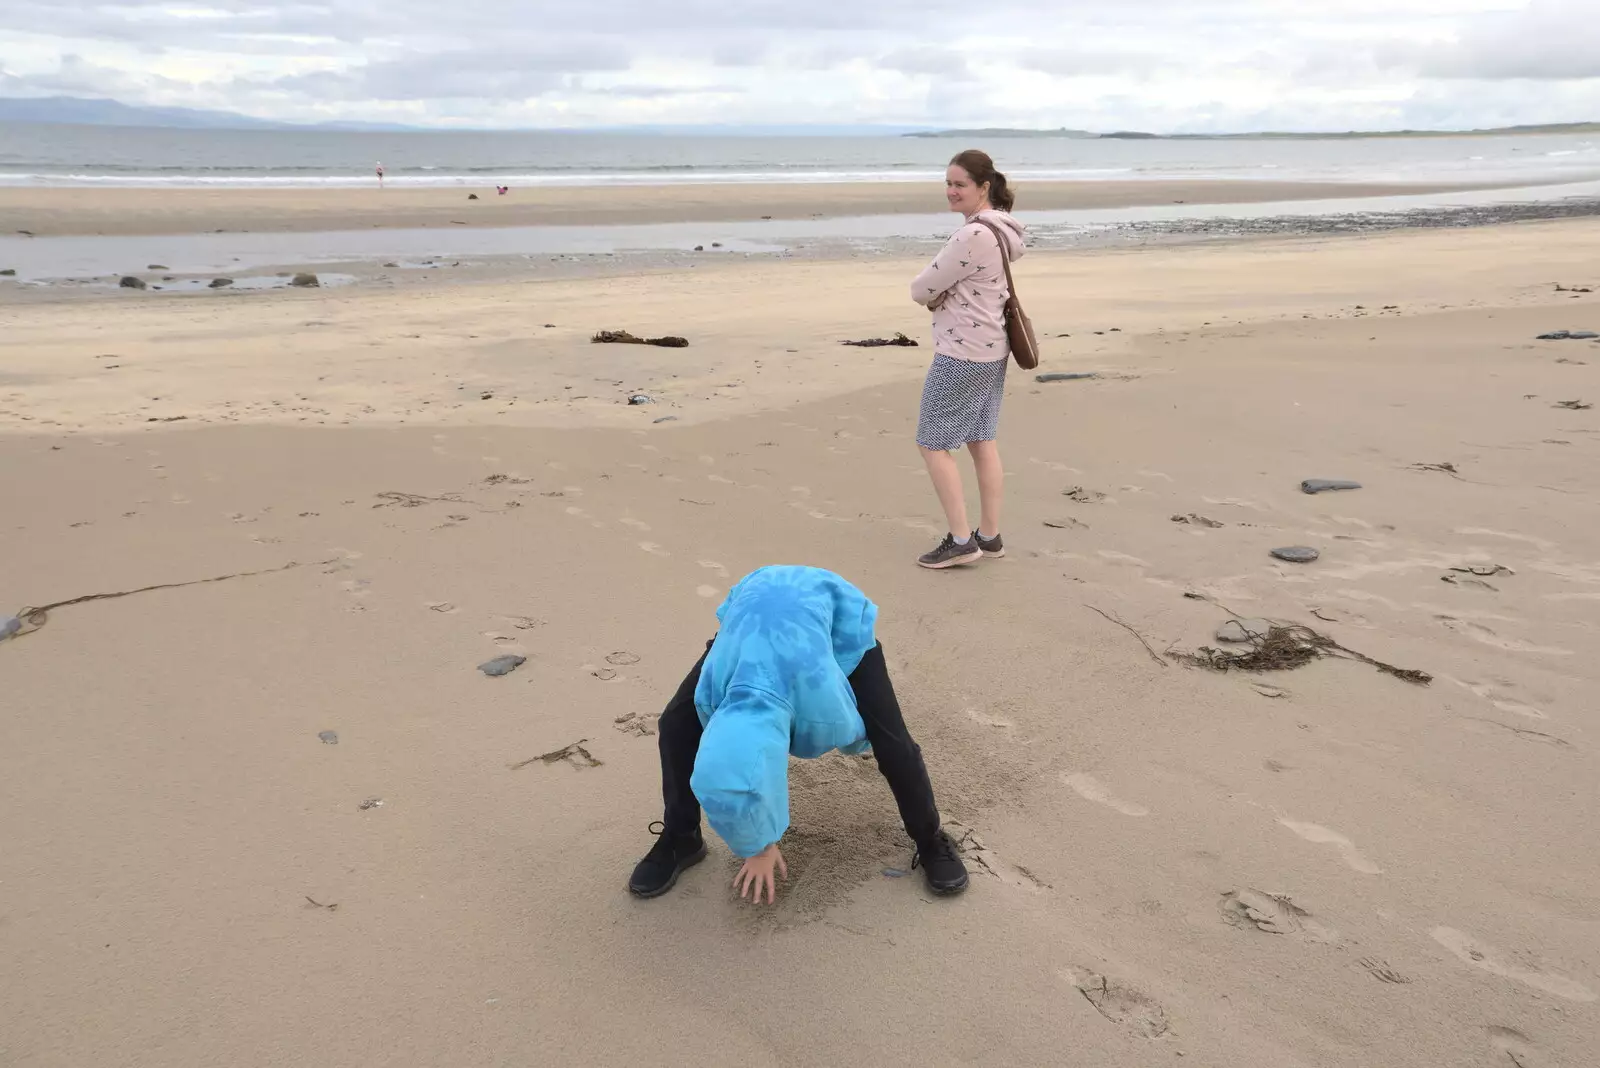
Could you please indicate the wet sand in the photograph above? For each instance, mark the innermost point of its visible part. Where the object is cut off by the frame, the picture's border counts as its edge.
(1313, 868)
(46, 211)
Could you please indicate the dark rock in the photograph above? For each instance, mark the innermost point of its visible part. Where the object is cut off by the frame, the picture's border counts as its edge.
(1297, 554)
(221, 283)
(699, 248)
(9, 272)
(1568, 335)
(472, 196)
(157, 267)
(329, 737)
(305, 281)
(1065, 376)
(486, 396)
(716, 244)
(1323, 485)
(1582, 335)
(391, 264)
(502, 665)
(667, 419)
(641, 398)
(130, 282)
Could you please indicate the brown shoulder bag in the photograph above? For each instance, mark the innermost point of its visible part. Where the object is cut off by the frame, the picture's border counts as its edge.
(1019, 328)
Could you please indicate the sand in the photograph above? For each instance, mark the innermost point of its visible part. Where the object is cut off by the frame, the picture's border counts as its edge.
(1323, 867)
(62, 211)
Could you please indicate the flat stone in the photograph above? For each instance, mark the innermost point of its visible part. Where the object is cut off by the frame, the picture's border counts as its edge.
(667, 419)
(1297, 554)
(502, 665)
(1324, 485)
(1065, 376)
(1243, 630)
(1583, 335)
(157, 267)
(221, 283)
(329, 737)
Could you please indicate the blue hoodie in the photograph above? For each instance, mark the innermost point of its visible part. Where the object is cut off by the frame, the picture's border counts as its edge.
(776, 682)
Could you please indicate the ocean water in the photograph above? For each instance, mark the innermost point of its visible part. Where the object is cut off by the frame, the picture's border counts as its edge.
(88, 156)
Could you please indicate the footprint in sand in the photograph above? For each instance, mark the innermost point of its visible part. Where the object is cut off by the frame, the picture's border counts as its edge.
(653, 549)
(1274, 914)
(707, 592)
(1488, 693)
(987, 860)
(1475, 953)
(1480, 633)
(637, 524)
(1091, 789)
(1119, 1002)
(1515, 1047)
(987, 720)
(1120, 558)
(1312, 832)
(712, 565)
(722, 481)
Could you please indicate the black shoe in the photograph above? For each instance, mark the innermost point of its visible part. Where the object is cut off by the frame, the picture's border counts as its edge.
(668, 858)
(949, 554)
(941, 865)
(990, 547)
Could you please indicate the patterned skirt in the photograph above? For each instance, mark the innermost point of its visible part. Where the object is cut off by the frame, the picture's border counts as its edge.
(960, 403)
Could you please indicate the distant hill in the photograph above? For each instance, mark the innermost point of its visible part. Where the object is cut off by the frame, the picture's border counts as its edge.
(92, 112)
(1002, 132)
(1136, 135)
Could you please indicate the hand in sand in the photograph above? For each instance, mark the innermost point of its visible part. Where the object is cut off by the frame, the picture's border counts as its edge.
(758, 872)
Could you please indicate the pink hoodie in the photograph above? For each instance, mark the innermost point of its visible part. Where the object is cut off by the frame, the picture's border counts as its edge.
(970, 325)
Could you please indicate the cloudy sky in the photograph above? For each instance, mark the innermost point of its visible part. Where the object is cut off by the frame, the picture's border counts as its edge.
(1168, 65)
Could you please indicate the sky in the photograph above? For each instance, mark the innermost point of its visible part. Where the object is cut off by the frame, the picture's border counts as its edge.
(1171, 66)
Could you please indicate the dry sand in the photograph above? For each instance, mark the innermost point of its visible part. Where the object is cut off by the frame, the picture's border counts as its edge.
(168, 814)
(58, 211)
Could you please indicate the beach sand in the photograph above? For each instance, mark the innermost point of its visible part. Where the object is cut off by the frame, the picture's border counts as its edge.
(1328, 866)
(64, 211)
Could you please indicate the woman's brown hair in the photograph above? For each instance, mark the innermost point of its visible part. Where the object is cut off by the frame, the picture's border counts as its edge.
(980, 168)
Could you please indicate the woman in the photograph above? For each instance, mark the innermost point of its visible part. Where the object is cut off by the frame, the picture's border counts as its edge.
(965, 288)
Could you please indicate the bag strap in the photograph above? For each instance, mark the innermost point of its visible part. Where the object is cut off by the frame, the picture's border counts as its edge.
(1005, 255)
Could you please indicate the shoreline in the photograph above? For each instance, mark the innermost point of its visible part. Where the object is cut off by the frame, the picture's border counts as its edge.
(58, 211)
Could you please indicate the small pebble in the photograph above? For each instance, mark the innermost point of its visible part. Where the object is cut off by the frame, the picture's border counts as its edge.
(329, 737)
(502, 665)
(1297, 554)
(894, 873)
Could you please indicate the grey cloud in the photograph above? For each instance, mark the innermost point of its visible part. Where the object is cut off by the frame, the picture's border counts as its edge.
(1549, 40)
(512, 74)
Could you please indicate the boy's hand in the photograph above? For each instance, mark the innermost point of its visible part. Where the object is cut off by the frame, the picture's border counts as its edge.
(938, 302)
(758, 872)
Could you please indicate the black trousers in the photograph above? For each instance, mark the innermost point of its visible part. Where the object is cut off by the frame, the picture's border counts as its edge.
(897, 755)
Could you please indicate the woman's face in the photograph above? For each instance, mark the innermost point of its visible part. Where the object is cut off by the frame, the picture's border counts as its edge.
(964, 195)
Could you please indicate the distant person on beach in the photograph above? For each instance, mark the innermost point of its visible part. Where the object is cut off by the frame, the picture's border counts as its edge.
(965, 288)
(380, 176)
(795, 669)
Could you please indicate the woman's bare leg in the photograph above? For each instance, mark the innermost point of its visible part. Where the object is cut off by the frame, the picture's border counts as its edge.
(991, 485)
(946, 476)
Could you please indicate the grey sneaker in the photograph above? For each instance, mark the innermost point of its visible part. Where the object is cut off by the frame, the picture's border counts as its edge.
(949, 554)
(991, 547)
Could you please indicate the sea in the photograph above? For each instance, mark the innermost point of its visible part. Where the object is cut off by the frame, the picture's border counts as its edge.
(91, 156)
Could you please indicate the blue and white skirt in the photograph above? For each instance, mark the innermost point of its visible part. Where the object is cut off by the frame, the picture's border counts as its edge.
(960, 403)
